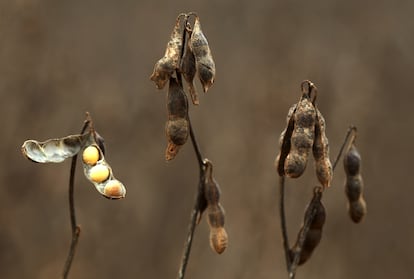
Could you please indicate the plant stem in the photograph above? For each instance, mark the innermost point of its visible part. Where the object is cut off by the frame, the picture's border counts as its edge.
(196, 209)
(75, 227)
(351, 131)
(283, 221)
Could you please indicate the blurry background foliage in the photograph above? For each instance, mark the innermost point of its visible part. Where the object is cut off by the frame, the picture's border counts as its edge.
(59, 59)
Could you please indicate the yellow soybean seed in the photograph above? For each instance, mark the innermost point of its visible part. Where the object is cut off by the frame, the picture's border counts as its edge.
(99, 173)
(114, 189)
(90, 155)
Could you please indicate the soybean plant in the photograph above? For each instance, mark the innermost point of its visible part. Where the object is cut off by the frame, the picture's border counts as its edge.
(188, 54)
(305, 132)
(96, 169)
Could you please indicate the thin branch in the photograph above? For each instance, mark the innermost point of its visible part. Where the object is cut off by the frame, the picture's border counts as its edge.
(192, 226)
(283, 220)
(75, 227)
(351, 131)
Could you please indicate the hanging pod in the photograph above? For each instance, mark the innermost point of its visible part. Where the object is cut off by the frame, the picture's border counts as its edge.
(53, 150)
(316, 210)
(166, 66)
(188, 68)
(205, 65)
(354, 184)
(216, 215)
(177, 127)
(320, 150)
(284, 142)
(302, 134)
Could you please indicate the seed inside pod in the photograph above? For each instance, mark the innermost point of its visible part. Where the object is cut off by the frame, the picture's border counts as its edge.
(99, 173)
(90, 155)
(114, 189)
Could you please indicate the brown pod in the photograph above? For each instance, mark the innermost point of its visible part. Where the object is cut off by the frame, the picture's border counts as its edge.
(284, 142)
(177, 104)
(354, 184)
(218, 239)
(320, 150)
(166, 66)
(188, 69)
(211, 187)
(314, 234)
(177, 127)
(302, 137)
(353, 187)
(205, 65)
(215, 216)
(357, 210)
(177, 131)
(352, 161)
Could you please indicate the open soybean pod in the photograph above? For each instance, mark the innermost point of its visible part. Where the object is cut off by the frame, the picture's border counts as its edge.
(166, 66)
(177, 127)
(320, 150)
(354, 184)
(316, 211)
(188, 68)
(205, 65)
(303, 133)
(284, 142)
(53, 150)
(98, 171)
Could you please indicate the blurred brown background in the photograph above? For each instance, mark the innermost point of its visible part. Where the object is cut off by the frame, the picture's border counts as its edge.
(59, 59)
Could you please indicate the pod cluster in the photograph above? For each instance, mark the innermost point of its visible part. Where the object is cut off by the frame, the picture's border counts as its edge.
(354, 184)
(305, 133)
(99, 172)
(187, 54)
(316, 213)
(91, 146)
(215, 211)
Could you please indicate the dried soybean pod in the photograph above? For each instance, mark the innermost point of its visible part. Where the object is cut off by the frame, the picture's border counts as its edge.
(53, 150)
(205, 65)
(314, 234)
(352, 161)
(177, 104)
(165, 67)
(354, 184)
(284, 142)
(218, 235)
(302, 136)
(320, 150)
(177, 127)
(188, 69)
